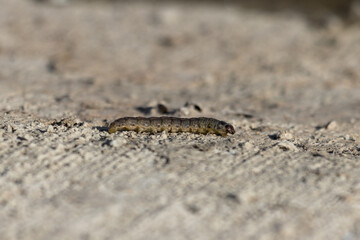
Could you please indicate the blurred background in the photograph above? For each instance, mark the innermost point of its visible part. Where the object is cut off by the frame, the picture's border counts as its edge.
(345, 8)
(292, 61)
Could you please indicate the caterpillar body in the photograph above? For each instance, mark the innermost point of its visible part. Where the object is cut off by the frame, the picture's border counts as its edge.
(200, 125)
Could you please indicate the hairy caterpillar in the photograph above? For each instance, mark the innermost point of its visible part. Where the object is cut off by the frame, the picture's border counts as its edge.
(200, 125)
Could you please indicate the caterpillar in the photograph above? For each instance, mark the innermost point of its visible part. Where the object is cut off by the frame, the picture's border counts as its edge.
(200, 125)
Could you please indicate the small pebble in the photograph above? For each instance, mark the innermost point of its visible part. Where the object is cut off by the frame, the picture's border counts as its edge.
(348, 137)
(163, 135)
(28, 137)
(9, 128)
(50, 129)
(286, 136)
(248, 146)
(185, 111)
(117, 142)
(287, 146)
(331, 125)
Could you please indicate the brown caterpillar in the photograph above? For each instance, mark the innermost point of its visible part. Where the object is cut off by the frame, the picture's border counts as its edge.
(200, 125)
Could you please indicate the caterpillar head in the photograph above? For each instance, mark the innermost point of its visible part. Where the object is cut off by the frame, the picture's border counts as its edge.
(224, 128)
(229, 129)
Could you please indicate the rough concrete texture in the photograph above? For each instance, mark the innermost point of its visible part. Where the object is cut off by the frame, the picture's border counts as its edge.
(291, 171)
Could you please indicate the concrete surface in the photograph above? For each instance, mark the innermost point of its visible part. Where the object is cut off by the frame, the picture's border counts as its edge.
(292, 91)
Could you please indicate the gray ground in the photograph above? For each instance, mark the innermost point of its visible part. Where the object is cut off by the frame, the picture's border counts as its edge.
(292, 91)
